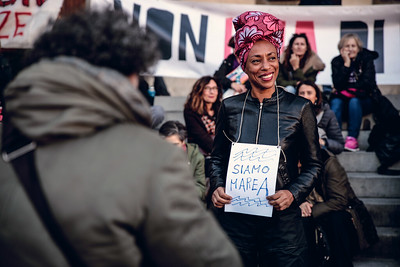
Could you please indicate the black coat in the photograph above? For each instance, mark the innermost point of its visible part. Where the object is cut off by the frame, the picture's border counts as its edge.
(365, 73)
(334, 187)
(298, 138)
(197, 132)
(334, 138)
(224, 69)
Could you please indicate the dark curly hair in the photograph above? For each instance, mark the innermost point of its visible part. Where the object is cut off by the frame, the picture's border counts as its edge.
(170, 128)
(102, 38)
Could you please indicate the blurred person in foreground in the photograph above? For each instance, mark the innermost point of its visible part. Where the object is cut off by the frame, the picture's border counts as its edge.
(5, 76)
(266, 115)
(120, 194)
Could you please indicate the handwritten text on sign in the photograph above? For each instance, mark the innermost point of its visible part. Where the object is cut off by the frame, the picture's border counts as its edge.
(251, 177)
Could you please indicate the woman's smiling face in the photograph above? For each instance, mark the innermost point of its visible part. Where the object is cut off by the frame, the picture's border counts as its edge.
(210, 92)
(352, 48)
(262, 65)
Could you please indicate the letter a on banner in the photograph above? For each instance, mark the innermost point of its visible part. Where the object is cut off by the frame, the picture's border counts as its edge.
(251, 177)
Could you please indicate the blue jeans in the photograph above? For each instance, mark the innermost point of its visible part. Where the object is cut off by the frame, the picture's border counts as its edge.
(355, 108)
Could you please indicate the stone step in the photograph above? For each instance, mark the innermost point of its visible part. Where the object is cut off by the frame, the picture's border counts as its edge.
(170, 103)
(173, 107)
(388, 245)
(375, 262)
(395, 99)
(384, 211)
(389, 89)
(174, 116)
(361, 161)
(374, 185)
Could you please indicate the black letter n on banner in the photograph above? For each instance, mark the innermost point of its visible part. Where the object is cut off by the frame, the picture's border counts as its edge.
(199, 48)
(161, 22)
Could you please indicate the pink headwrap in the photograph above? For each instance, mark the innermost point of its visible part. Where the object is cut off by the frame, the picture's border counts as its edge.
(252, 26)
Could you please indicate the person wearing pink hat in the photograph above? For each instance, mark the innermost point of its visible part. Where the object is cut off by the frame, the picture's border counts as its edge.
(266, 115)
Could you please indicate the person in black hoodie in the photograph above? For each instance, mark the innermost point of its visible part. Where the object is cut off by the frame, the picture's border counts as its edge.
(353, 76)
(230, 75)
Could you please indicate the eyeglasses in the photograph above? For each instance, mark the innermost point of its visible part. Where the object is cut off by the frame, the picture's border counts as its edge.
(209, 89)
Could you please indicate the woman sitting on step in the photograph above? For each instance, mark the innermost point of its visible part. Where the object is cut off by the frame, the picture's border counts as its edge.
(331, 137)
(200, 114)
(353, 76)
(327, 203)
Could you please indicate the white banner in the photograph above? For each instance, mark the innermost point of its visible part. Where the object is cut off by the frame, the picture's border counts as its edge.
(194, 34)
(21, 21)
(251, 177)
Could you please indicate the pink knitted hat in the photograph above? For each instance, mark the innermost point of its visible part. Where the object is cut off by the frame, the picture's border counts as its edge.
(252, 26)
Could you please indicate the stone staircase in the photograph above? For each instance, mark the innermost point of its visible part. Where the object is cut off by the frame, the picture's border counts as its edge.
(380, 194)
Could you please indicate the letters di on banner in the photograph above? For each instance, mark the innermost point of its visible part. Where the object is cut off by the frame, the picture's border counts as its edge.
(21, 21)
(251, 177)
(194, 35)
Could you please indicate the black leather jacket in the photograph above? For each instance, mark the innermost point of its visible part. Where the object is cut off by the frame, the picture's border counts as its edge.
(365, 73)
(298, 138)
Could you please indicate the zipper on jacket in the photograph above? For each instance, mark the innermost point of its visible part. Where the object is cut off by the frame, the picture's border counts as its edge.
(259, 122)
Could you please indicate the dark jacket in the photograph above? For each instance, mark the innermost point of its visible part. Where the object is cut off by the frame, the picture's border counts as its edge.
(365, 73)
(333, 187)
(297, 131)
(308, 73)
(334, 138)
(225, 68)
(197, 132)
(122, 196)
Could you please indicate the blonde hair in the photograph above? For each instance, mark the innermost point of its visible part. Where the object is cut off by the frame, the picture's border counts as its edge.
(349, 36)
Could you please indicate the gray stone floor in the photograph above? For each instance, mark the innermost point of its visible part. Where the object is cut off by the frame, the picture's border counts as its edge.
(365, 262)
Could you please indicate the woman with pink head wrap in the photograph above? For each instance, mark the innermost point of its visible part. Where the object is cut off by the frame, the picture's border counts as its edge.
(252, 26)
(266, 115)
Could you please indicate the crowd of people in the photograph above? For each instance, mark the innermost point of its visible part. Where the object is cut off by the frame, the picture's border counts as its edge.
(80, 123)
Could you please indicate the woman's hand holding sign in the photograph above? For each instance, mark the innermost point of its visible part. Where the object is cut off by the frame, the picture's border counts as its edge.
(281, 200)
(219, 198)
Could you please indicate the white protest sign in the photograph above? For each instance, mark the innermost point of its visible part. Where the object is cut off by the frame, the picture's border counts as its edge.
(251, 177)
